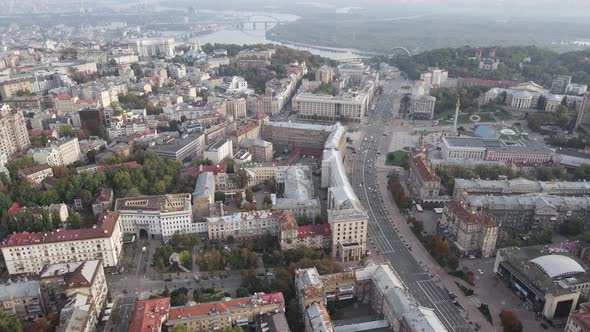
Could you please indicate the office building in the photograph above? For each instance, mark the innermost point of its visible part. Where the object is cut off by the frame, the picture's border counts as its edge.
(346, 106)
(349, 234)
(222, 315)
(150, 314)
(29, 252)
(475, 148)
(219, 150)
(92, 121)
(471, 234)
(60, 153)
(181, 149)
(422, 107)
(13, 131)
(298, 135)
(433, 78)
(236, 107)
(59, 282)
(549, 281)
(158, 217)
(560, 83)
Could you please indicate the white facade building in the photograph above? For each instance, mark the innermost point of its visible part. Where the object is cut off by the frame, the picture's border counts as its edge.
(158, 216)
(29, 252)
(61, 153)
(219, 150)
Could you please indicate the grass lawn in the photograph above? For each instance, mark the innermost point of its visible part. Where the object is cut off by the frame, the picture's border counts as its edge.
(395, 158)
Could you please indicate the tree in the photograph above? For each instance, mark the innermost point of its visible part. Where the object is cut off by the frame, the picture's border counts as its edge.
(66, 130)
(166, 291)
(542, 103)
(510, 321)
(74, 221)
(249, 195)
(9, 323)
(242, 178)
(238, 198)
(186, 259)
(219, 196)
(180, 328)
(267, 200)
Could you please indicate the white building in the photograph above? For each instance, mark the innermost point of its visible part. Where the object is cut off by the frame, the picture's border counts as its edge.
(433, 78)
(253, 224)
(13, 131)
(158, 216)
(61, 153)
(237, 85)
(422, 107)
(219, 150)
(349, 106)
(29, 252)
(154, 47)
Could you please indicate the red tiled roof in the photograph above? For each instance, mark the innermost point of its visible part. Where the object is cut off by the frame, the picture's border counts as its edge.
(63, 96)
(39, 132)
(225, 306)
(14, 209)
(195, 170)
(244, 129)
(104, 195)
(148, 315)
(102, 168)
(104, 228)
(471, 217)
(306, 231)
(425, 171)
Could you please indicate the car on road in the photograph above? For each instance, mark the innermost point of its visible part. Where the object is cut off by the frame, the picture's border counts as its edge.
(480, 271)
(168, 279)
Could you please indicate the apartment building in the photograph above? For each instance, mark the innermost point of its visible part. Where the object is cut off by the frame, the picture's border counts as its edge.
(519, 214)
(236, 107)
(245, 225)
(324, 74)
(36, 174)
(583, 118)
(470, 233)
(150, 314)
(11, 87)
(60, 153)
(261, 151)
(59, 282)
(13, 131)
(298, 192)
(292, 236)
(433, 78)
(579, 320)
(158, 217)
(376, 285)
(21, 299)
(103, 201)
(560, 83)
(423, 181)
(29, 252)
(221, 315)
(519, 186)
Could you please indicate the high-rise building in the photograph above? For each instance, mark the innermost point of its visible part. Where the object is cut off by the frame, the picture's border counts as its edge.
(92, 121)
(584, 112)
(13, 131)
(324, 75)
(154, 47)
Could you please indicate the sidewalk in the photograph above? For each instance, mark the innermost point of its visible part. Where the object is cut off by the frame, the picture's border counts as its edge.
(421, 255)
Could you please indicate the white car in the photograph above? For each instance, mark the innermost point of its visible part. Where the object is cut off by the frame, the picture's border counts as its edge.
(480, 271)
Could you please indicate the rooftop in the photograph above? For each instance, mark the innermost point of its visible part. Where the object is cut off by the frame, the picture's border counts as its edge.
(470, 217)
(162, 203)
(425, 171)
(75, 274)
(34, 169)
(558, 265)
(148, 315)
(103, 228)
(19, 289)
(311, 230)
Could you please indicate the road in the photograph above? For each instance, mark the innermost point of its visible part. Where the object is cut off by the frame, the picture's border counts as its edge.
(382, 232)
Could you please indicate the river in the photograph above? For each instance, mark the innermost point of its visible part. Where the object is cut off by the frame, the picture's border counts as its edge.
(245, 37)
